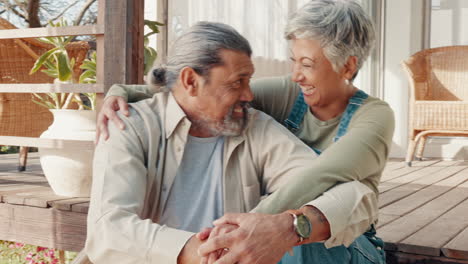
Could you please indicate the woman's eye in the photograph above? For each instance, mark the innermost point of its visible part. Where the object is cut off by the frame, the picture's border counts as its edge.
(306, 66)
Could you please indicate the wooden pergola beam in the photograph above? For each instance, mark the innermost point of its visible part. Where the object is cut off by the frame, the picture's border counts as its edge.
(121, 47)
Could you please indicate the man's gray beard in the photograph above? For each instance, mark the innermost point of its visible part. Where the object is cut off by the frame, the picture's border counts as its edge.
(228, 127)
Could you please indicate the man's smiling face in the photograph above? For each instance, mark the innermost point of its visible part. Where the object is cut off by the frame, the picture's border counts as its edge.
(224, 97)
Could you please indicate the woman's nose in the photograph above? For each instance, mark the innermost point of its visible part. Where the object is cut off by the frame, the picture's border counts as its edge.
(297, 75)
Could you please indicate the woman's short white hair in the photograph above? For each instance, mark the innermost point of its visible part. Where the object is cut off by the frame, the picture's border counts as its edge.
(341, 26)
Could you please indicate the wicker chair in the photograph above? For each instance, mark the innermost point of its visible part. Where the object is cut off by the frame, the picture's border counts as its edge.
(439, 96)
(19, 116)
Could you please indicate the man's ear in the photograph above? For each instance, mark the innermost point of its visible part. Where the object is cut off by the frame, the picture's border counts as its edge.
(188, 79)
(350, 67)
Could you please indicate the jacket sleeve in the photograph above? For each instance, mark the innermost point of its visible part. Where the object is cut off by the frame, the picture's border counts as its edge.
(116, 231)
(131, 93)
(350, 208)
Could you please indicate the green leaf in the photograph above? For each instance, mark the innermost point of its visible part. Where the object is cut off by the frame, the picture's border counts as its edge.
(46, 40)
(88, 65)
(63, 66)
(50, 65)
(51, 73)
(87, 75)
(150, 34)
(72, 63)
(40, 61)
(44, 104)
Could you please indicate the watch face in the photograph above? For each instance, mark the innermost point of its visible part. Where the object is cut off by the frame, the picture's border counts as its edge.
(303, 226)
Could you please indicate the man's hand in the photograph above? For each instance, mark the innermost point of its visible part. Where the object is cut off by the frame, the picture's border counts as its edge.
(212, 233)
(111, 105)
(259, 238)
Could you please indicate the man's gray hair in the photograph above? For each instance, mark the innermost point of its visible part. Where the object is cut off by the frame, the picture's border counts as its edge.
(341, 26)
(199, 48)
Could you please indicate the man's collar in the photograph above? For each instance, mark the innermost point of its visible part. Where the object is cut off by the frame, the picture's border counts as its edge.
(174, 115)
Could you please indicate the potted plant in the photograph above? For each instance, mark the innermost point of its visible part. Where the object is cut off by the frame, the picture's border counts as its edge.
(68, 171)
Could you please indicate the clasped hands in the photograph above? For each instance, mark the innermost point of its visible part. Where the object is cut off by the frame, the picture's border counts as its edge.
(247, 238)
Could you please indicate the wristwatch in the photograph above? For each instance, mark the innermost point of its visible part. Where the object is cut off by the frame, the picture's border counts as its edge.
(302, 225)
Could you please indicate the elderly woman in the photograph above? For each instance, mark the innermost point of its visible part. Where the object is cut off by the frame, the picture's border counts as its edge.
(352, 131)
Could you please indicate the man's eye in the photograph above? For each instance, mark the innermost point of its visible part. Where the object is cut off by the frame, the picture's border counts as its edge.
(306, 66)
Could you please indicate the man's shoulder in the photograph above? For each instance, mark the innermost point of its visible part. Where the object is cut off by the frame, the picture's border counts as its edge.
(261, 123)
(144, 115)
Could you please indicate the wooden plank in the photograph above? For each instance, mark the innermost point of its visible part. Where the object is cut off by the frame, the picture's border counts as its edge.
(66, 204)
(389, 175)
(46, 143)
(405, 190)
(23, 188)
(50, 88)
(430, 239)
(80, 208)
(394, 165)
(412, 222)
(45, 227)
(97, 29)
(385, 219)
(425, 195)
(38, 197)
(458, 247)
(394, 183)
(405, 258)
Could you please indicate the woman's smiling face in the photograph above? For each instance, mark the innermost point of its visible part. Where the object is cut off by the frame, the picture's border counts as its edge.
(314, 73)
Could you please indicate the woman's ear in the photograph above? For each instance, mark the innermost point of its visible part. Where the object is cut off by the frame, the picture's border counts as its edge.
(350, 67)
(188, 79)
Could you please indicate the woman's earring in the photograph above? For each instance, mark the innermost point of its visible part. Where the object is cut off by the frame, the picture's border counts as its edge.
(347, 81)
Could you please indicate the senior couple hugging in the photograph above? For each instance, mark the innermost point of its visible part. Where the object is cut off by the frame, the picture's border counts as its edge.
(189, 172)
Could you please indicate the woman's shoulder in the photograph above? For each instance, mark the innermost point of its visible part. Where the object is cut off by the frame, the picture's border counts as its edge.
(274, 95)
(375, 110)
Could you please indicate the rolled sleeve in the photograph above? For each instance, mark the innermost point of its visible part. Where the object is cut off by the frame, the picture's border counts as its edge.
(350, 209)
(168, 244)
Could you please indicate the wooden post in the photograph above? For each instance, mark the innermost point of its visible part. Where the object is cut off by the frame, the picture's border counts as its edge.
(162, 45)
(135, 41)
(120, 50)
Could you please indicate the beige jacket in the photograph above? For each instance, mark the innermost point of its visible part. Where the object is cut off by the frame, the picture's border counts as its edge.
(135, 168)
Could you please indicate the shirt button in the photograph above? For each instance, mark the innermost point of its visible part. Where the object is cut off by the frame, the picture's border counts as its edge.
(164, 188)
(179, 149)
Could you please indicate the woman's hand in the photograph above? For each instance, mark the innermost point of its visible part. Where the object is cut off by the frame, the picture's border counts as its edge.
(210, 233)
(109, 109)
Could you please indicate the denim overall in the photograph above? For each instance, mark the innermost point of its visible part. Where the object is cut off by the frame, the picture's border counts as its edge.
(367, 248)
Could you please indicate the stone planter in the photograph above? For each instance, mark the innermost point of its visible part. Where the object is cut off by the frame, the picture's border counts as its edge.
(69, 170)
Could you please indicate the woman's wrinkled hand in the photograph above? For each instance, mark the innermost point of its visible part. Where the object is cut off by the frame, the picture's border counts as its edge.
(109, 109)
(210, 233)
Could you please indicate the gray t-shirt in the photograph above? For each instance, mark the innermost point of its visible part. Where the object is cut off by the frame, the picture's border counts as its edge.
(196, 197)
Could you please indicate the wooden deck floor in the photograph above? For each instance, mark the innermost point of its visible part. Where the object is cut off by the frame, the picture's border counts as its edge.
(423, 210)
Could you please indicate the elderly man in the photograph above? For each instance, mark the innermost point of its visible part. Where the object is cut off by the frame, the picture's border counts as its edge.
(196, 151)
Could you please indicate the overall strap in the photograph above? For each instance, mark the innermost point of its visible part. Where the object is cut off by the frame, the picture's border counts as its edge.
(294, 120)
(354, 103)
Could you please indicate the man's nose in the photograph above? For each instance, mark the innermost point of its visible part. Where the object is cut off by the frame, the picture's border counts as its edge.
(247, 94)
